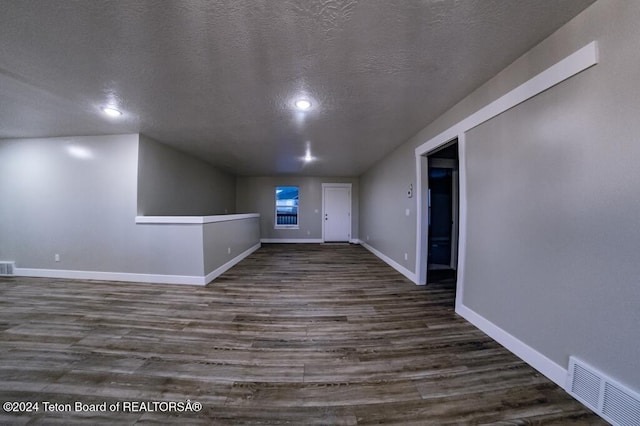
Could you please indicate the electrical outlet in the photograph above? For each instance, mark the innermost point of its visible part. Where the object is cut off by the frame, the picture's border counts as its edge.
(308, 232)
(56, 257)
(406, 256)
(407, 212)
(228, 250)
(367, 238)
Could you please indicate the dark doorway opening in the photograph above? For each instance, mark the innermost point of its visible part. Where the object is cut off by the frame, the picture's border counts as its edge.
(443, 206)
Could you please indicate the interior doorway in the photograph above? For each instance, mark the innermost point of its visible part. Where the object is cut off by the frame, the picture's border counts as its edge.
(443, 213)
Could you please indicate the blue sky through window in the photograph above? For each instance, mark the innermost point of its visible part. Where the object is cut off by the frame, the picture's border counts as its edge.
(287, 205)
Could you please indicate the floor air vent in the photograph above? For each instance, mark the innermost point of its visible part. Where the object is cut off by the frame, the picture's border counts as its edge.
(6, 268)
(614, 402)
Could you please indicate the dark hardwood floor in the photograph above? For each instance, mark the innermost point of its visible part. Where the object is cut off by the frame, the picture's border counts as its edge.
(294, 334)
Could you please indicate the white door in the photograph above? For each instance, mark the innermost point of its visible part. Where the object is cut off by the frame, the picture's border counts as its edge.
(337, 213)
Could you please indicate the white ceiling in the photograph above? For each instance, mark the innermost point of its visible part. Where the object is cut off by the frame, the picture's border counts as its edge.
(217, 79)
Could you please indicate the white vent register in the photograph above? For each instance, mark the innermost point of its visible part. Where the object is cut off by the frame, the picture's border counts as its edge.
(6, 269)
(608, 398)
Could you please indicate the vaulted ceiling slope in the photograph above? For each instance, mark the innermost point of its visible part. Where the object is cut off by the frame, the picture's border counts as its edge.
(218, 79)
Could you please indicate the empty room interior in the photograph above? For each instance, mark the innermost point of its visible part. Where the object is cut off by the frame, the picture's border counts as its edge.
(320, 212)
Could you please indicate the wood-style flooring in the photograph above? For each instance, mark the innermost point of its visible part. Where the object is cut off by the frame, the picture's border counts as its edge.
(294, 334)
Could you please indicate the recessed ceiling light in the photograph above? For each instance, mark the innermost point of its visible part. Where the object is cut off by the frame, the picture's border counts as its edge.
(307, 155)
(111, 112)
(303, 104)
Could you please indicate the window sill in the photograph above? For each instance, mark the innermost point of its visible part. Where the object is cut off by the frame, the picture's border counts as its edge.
(286, 227)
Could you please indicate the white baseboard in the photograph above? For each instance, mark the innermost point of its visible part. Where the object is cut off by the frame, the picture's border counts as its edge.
(291, 240)
(230, 264)
(133, 277)
(300, 240)
(110, 276)
(395, 265)
(544, 365)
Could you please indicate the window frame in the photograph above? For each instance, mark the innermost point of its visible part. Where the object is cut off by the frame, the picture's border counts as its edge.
(297, 207)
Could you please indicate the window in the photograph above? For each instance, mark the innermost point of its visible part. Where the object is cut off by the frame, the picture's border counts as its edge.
(286, 206)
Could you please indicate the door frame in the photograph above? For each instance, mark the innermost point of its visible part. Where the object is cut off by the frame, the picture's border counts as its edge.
(338, 185)
(422, 206)
(571, 65)
(422, 235)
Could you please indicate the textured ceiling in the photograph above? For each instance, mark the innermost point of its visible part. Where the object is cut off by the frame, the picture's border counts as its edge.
(218, 79)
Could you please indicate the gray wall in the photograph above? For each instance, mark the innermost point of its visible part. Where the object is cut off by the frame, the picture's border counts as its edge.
(553, 197)
(237, 235)
(257, 195)
(384, 223)
(83, 208)
(554, 186)
(172, 183)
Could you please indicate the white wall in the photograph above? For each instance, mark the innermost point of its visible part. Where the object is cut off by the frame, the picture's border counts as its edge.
(76, 196)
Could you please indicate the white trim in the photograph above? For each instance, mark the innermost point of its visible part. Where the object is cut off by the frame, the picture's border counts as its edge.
(291, 240)
(110, 276)
(275, 208)
(537, 360)
(355, 241)
(462, 217)
(455, 213)
(573, 64)
(194, 219)
(422, 236)
(337, 185)
(395, 265)
(230, 264)
(134, 277)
